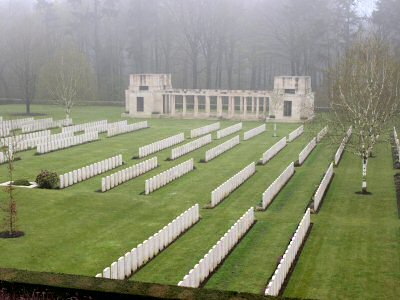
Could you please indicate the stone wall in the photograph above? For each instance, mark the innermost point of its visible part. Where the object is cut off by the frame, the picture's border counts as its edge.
(161, 99)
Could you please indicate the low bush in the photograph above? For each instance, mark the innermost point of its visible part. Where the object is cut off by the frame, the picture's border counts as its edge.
(21, 182)
(47, 179)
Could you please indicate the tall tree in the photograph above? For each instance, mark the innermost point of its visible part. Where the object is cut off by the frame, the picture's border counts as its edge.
(26, 53)
(386, 17)
(365, 94)
(68, 78)
(9, 207)
(188, 17)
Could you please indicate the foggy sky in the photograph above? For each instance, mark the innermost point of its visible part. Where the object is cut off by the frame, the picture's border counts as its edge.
(366, 7)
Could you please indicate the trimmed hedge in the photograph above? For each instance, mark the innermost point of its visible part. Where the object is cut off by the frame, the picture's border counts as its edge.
(47, 180)
(23, 284)
(21, 182)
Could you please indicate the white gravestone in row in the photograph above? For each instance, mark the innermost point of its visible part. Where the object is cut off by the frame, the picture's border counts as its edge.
(107, 273)
(114, 270)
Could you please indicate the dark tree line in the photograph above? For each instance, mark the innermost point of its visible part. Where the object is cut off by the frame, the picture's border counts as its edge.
(231, 44)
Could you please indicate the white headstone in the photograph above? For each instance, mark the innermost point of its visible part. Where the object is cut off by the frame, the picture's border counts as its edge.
(114, 270)
(134, 260)
(128, 264)
(121, 268)
(107, 273)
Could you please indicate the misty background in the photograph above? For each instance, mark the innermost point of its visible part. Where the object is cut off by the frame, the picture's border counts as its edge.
(213, 44)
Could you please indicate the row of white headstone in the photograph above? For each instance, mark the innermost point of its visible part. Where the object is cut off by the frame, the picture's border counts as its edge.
(322, 134)
(158, 181)
(49, 138)
(253, 132)
(275, 284)
(295, 133)
(101, 128)
(128, 264)
(277, 185)
(109, 182)
(322, 187)
(67, 142)
(26, 136)
(28, 144)
(307, 150)
(161, 145)
(4, 131)
(90, 171)
(221, 192)
(43, 124)
(16, 123)
(204, 130)
(339, 152)
(219, 251)
(274, 150)
(397, 143)
(229, 130)
(7, 126)
(4, 157)
(36, 125)
(120, 129)
(191, 146)
(221, 148)
(83, 126)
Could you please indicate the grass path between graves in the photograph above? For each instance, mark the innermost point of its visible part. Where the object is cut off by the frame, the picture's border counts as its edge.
(354, 249)
(81, 231)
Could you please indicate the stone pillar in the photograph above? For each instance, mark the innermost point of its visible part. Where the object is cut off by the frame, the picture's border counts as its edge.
(244, 107)
(252, 104)
(172, 102)
(257, 106)
(183, 105)
(196, 105)
(168, 100)
(208, 105)
(265, 105)
(241, 104)
(219, 106)
(127, 100)
(231, 107)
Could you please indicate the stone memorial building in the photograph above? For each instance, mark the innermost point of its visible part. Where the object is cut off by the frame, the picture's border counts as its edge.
(153, 95)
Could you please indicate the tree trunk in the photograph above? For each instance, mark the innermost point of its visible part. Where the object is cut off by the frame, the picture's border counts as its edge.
(28, 105)
(194, 72)
(67, 112)
(364, 174)
(208, 72)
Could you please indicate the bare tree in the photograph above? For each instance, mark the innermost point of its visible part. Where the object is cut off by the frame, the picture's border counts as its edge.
(10, 206)
(365, 95)
(187, 15)
(275, 105)
(24, 46)
(67, 78)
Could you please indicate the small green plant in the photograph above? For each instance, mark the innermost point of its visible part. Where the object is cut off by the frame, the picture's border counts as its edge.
(47, 179)
(21, 182)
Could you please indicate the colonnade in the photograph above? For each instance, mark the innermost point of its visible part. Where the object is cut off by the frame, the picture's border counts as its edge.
(245, 109)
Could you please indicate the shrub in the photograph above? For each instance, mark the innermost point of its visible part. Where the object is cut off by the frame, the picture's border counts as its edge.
(21, 182)
(47, 179)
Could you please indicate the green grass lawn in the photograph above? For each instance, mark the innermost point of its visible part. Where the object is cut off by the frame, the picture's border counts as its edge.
(81, 231)
(354, 248)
